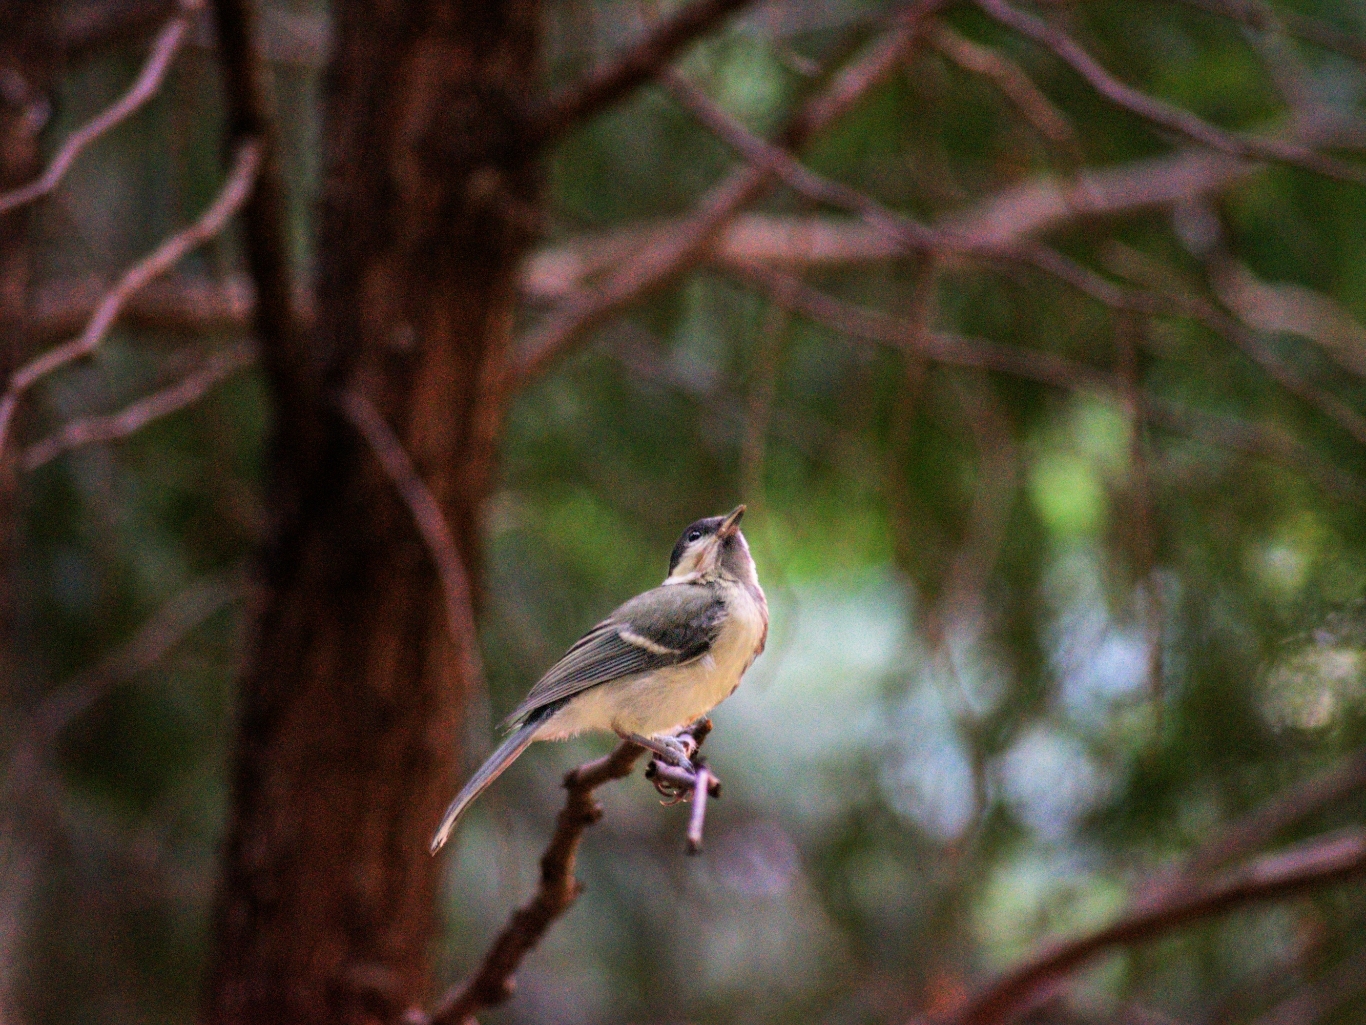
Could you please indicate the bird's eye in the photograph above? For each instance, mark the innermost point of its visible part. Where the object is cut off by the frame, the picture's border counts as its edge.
(694, 535)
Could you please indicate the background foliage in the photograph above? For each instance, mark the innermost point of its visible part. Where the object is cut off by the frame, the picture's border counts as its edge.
(1029, 646)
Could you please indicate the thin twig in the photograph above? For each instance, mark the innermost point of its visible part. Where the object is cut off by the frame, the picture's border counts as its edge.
(697, 819)
(668, 257)
(1300, 869)
(790, 171)
(211, 222)
(936, 346)
(1160, 112)
(96, 430)
(153, 73)
(1217, 320)
(603, 87)
(1257, 15)
(1010, 78)
(251, 115)
(492, 983)
(170, 624)
(431, 525)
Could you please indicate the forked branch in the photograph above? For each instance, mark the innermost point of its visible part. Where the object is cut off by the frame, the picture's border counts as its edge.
(163, 258)
(1307, 867)
(148, 82)
(641, 61)
(492, 983)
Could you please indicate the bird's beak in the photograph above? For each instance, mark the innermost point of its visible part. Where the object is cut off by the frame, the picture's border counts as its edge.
(731, 523)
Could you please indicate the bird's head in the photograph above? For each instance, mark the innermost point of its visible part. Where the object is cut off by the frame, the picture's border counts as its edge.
(710, 548)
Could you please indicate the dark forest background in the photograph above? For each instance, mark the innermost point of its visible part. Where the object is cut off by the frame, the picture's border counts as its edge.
(359, 358)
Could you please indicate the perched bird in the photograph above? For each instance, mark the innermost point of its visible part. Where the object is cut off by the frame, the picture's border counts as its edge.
(655, 665)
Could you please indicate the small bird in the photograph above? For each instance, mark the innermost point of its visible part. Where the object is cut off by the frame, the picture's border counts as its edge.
(655, 665)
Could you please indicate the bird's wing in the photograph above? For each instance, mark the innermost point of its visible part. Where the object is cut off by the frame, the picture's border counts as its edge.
(666, 626)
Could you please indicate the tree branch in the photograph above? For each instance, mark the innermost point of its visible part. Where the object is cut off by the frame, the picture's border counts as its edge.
(148, 82)
(1160, 112)
(233, 194)
(492, 983)
(641, 61)
(1300, 869)
(251, 115)
(132, 418)
(951, 350)
(1037, 108)
(651, 267)
(431, 524)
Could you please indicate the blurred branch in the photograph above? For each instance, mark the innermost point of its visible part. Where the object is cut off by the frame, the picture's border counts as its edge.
(1293, 309)
(1306, 867)
(172, 622)
(777, 161)
(1259, 15)
(492, 983)
(641, 61)
(960, 600)
(1158, 111)
(143, 89)
(955, 350)
(938, 347)
(1257, 440)
(995, 225)
(88, 27)
(431, 524)
(187, 303)
(233, 194)
(99, 429)
(1260, 828)
(1170, 303)
(1010, 78)
(251, 115)
(1314, 1001)
(653, 265)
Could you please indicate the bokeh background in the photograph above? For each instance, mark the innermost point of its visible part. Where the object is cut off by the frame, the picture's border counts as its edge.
(1031, 644)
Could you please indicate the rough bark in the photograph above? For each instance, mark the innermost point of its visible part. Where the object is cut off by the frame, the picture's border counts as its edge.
(354, 697)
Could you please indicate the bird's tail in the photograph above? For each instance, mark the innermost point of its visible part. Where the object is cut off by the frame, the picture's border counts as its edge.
(506, 754)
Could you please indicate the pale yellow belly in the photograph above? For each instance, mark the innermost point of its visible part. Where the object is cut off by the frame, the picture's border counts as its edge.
(668, 699)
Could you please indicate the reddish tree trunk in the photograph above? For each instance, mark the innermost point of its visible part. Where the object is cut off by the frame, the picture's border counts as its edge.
(353, 701)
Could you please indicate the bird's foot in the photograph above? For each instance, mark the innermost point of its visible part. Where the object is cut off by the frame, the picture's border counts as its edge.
(670, 749)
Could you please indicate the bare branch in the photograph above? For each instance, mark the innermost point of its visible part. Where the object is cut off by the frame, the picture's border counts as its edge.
(492, 983)
(162, 631)
(1161, 113)
(99, 429)
(1293, 309)
(251, 114)
(185, 303)
(938, 347)
(431, 524)
(211, 222)
(1300, 869)
(153, 73)
(1170, 304)
(1322, 996)
(1259, 16)
(653, 266)
(1258, 440)
(783, 165)
(1010, 78)
(660, 44)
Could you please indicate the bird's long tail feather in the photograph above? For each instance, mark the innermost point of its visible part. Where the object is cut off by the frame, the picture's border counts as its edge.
(506, 754)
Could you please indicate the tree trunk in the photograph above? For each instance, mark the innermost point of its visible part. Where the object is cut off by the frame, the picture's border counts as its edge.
(353, 701)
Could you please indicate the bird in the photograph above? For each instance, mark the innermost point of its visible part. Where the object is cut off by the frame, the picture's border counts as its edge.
(657, 664)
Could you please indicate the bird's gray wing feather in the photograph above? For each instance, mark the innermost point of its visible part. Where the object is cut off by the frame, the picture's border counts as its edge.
(666, 626)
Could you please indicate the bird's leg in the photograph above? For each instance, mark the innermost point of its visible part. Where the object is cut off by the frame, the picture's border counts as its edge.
(670, 749)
